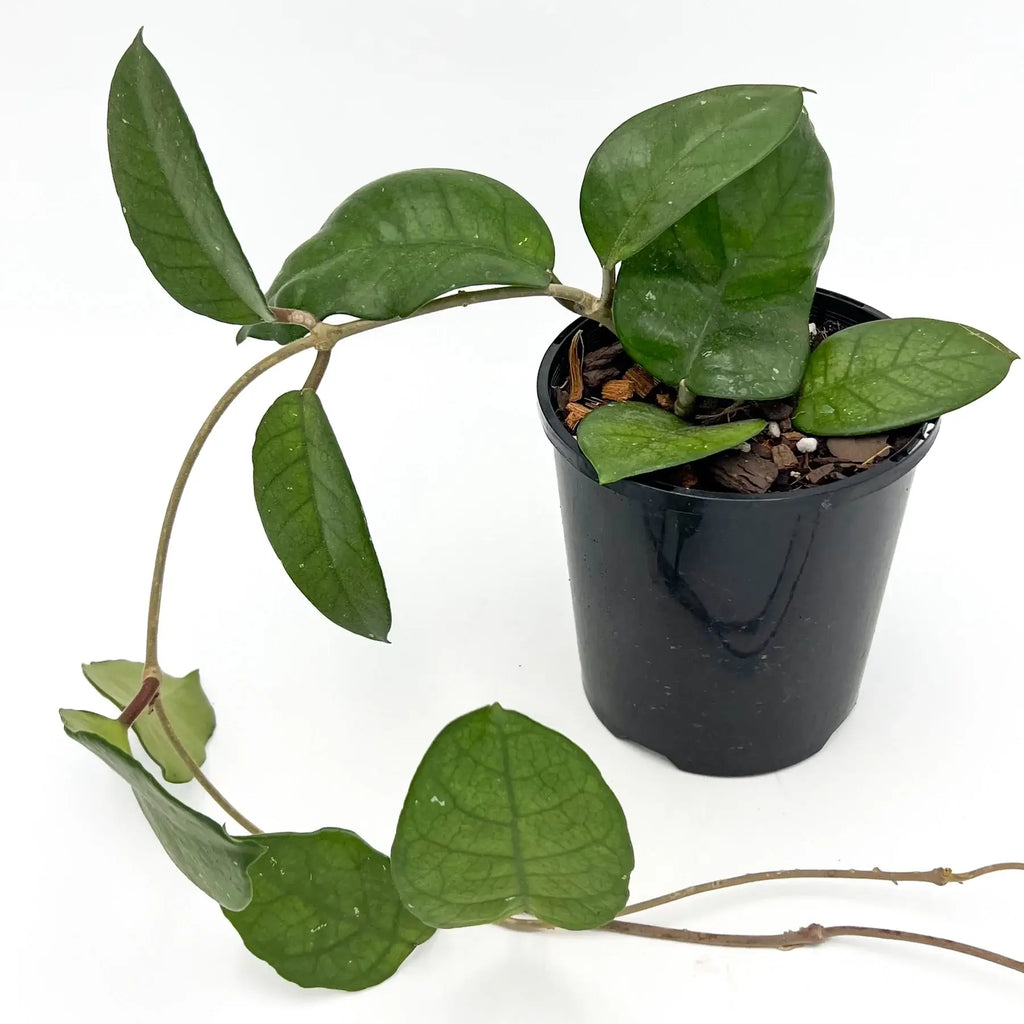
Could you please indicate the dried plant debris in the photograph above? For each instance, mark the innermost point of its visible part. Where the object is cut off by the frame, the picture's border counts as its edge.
(778, 459)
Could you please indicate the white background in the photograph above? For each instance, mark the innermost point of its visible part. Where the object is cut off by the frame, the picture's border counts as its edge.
(105, 380)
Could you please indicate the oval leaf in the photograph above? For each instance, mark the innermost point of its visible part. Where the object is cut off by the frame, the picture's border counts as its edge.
(660, 164)
(407, 238)
(174, 214)
(313, 518)
(723, 297)
(325, 913)
(505, 815)
(184, 702)
(894, 373)
(202, 850)
(628, 438)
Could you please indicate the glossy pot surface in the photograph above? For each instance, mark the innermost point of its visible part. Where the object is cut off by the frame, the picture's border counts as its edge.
(728, 632)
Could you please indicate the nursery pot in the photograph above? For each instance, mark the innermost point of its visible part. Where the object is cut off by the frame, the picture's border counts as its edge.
(726, 631)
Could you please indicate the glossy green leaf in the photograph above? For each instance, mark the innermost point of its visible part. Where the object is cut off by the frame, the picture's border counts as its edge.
(174, 214)
(628, 438)
(313, 518)
(660, 164)
(202, 850)
(722, 298)
(184, 702)
(505, 815)
(407, 238)
(894, 373)
(325, 913)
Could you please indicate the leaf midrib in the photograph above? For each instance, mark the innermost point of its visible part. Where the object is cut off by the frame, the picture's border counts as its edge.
(688, 153)
(514, 835)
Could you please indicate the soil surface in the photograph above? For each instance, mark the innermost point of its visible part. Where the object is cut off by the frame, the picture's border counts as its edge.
(778, 459)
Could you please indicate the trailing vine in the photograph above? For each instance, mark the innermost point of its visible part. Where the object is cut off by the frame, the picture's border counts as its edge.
(506, 821)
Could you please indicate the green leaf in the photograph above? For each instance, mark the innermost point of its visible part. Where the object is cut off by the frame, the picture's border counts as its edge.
(183, 700)
(325, 913)
(660, 164)
(407, 238)
(627, 438)
(202, 850)
(313, 518)
(174, 214)
(281, 333)
(108, 729)
(505, 815)
(894, 373)
(722, 298)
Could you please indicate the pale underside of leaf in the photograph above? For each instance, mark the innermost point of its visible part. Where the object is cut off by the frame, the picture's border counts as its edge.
(202, 850)
(173, 212)
(894, 373)
(721, 299)
(624, 439)
(184, 702)
(658, 165)
(313, 517)
(325, 912)
(108, 729)
(504, 815)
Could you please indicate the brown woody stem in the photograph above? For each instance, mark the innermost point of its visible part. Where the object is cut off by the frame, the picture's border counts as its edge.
(937, 876)
(811, 935)
(146, 695)
(317, 371)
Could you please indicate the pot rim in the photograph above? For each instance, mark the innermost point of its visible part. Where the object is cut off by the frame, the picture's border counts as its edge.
(865, 482)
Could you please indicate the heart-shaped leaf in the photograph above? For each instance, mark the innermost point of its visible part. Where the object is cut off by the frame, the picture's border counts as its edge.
(174, 214)
(202, 850)
(625, 439)
(660, 164)
(722, 298)
(894, 373)
(407, 238)
(325, 913)
(184, 702)
(313, 518)
(504, 815)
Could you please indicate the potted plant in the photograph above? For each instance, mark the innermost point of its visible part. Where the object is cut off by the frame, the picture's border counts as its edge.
(724, 614)
(725, 610)
(505, 820)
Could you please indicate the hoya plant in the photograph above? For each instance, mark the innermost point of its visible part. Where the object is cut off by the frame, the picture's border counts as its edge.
(505, 821)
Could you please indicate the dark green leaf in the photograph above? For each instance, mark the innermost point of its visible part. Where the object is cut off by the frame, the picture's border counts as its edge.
(183, 700)
(660, 164)
(313, 518)
(407, 238)
(174, 214)
(202, 850)
(722, 298)
(505, 815)
(893, 373)
(628, 438)
(325, 913)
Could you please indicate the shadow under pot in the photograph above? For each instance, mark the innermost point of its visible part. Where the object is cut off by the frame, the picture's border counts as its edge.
(728, 632)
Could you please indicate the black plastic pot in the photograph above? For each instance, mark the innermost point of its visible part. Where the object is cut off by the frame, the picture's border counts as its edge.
(728, 632)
